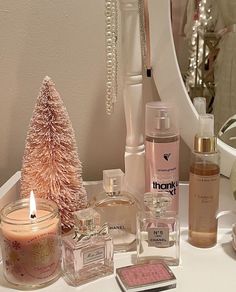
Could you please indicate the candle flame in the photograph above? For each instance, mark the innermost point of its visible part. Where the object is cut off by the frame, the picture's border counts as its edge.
(32, 205)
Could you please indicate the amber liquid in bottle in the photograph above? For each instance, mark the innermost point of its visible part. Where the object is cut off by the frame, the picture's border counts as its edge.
(203, 200)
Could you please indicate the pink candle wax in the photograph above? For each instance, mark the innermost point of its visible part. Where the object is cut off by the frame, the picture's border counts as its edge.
(31, 248)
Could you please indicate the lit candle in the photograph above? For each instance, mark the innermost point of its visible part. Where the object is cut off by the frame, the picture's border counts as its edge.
(30, 241)
(32, 209)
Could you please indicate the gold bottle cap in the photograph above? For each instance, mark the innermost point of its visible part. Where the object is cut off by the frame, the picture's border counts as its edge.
(205, 140)
(205, 144)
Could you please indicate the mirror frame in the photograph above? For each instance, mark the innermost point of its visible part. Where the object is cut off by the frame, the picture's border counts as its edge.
(169, 82)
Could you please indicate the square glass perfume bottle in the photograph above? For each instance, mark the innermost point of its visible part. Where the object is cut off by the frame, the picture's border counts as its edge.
(87, 251)
(158, 230)
(119, 209)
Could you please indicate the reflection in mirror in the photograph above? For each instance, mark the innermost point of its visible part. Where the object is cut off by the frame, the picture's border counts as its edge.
(208, 31)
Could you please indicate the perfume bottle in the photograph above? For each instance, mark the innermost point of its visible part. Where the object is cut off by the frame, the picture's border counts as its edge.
(119, 209)
(88, 250)
(204, 186)
(158, 230)
(162, 151)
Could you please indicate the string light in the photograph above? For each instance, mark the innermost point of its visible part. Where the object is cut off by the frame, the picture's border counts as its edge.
(200, 22)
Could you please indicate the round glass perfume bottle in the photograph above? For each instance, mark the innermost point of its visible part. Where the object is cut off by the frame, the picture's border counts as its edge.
(119, 209)
(158, 230)
(31, 247)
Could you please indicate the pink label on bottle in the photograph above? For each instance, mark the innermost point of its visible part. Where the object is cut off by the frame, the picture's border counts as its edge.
(162, 169)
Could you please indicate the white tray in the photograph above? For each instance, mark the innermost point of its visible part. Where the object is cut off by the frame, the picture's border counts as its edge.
(202, 270)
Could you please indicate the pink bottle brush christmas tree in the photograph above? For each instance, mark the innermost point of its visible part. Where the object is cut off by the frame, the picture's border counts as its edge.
(51, 166)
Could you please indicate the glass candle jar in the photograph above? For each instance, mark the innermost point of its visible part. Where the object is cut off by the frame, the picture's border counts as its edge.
(31, 247)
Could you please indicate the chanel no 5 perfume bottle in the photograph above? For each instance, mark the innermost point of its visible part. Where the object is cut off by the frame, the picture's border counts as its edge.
(119, 209)
(88, 250)
(158, 230)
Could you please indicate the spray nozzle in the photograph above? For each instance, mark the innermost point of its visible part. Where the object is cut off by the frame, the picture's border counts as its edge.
(160, 118)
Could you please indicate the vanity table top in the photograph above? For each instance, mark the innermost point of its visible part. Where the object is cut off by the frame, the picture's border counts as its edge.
(204, 270)
(211, 269)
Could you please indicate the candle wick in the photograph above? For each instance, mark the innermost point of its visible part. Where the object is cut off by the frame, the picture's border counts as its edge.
(32, 216)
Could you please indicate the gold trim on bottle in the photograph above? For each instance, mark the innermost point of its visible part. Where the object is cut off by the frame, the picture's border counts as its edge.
(205, 144)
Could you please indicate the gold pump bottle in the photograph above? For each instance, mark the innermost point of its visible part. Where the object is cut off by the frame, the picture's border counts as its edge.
(204, 186)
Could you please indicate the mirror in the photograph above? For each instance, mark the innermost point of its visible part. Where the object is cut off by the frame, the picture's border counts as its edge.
(205, 30)
(169, 81)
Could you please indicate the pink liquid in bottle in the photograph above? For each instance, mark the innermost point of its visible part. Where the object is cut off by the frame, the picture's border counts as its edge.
(162, 151)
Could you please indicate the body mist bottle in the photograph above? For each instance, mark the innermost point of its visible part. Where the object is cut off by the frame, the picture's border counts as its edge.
(119, 209)
(158, 230)
(162, 151)
(204, 185)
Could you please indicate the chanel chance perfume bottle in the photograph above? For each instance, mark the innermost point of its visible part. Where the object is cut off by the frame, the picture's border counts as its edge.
(204, 185)
(88, 250)
(162, 151)
(158, 230)
(119, 209)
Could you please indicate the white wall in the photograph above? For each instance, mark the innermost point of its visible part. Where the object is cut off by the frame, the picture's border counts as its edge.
(65, 40)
